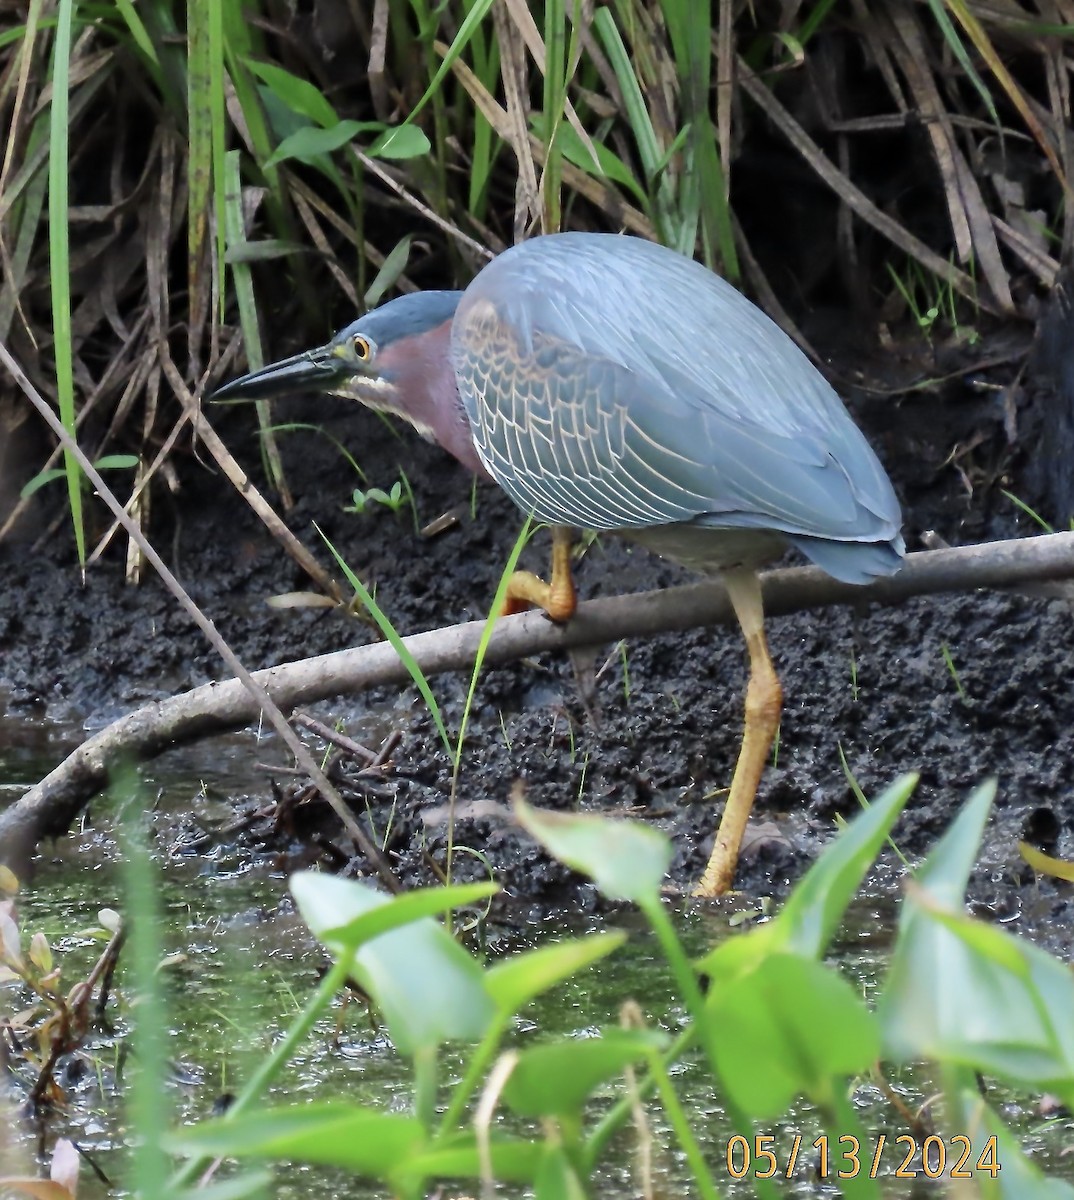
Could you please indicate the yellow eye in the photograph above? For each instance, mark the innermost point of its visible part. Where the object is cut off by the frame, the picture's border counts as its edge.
(362, 349)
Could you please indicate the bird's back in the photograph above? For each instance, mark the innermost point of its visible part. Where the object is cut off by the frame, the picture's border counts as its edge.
(613, 384)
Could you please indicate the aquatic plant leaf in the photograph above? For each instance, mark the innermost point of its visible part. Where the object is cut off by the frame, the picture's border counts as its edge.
(514, 982)
(946, 871)
(458, 1157)
(994, 1002)
(1002, 1171)
(253, 1183)
(787, 1028)
(558, 1078)
(963, 992)
(815, 909)
(816, 906)
(321, 902)
(427, 987)
(625, 859)
(332, 1133)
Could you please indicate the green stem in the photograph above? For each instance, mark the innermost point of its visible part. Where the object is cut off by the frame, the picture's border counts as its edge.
(681, 1126)
(692, 996)
(618, 1115)
(475, 1072)
(425, 1086)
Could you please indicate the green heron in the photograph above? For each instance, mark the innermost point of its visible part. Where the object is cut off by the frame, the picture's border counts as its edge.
(607, 383)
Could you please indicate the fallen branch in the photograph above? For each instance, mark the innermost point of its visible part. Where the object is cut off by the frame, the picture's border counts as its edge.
(48, 809)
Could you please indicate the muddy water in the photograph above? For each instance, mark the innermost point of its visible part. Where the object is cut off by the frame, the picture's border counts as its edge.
(244, 965)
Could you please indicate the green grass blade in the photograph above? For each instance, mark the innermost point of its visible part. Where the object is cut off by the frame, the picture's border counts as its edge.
(637, 113)
(466, 30)
(498, 602)
(149, 1105)
(391, 636)
(958, 49)
(60, 257)
(218, 131)
(232, 225)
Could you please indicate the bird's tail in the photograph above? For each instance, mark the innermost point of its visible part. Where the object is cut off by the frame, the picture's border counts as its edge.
(852, 562)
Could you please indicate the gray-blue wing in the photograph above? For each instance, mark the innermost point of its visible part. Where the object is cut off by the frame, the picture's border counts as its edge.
(612, 384)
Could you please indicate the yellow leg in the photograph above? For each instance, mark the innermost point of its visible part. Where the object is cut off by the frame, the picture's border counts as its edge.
(557, 598)
(764, 698)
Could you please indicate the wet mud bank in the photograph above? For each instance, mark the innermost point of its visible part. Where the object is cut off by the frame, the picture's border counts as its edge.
(957, 688)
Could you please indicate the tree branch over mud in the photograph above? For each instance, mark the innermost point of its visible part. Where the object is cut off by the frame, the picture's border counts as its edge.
(48, 809)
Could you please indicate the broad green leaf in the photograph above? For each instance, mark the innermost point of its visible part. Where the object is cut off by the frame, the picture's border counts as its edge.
(256, 1183)
(946, 871)
(458, 1157)
(404, 141)
(558, 1078)
(814, 910)
(428, 988)
(962, 992)
(299, 95)
(310, 143)
(1001, 1169)
(790, 1027)
(320, 901)
(625, 859)
(514, 982)
(388, 275)
(608, 165)
(736, 955)
(995, 1003)
(332, 1133)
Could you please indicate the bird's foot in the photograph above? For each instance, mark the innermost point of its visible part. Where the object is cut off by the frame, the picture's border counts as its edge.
(525, 590)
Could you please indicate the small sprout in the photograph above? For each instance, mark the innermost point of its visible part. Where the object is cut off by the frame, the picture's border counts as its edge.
(1029, 512)
(953, 670)
(394, 499)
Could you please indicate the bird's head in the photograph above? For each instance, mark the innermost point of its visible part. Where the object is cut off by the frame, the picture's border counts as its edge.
(378, 360)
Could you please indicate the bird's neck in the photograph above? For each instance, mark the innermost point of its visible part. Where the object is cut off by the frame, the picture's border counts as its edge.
(433, 405)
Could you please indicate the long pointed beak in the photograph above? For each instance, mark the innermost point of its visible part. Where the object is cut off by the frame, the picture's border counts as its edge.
(312, 370)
